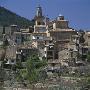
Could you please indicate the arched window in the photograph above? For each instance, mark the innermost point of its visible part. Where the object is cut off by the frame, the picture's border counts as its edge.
(39, 23)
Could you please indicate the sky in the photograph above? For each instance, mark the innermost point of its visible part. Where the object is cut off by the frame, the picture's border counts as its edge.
(77, 12)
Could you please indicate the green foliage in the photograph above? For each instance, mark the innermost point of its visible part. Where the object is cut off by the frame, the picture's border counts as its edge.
(19, 65)
(81, 38)
(88, 57)
(35, 62)
(21, 75)
(42, 75)
(88, 80)
(34, 68)
(8, 18)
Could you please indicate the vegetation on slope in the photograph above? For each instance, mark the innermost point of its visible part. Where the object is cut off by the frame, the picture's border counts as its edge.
(8, 18)
(34, 71)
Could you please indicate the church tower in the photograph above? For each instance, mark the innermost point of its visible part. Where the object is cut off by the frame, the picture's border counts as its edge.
(39, 18)
(39, 12)
(40, 28)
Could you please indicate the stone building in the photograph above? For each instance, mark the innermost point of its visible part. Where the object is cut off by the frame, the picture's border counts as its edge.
(61, 32)
(87, 38)
(40, 28)
(40, 36)
(53, 39)
(61, 35)
(23, 51)
(50, 37)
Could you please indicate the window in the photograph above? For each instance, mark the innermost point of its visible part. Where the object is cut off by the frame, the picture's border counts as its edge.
(45, 52)
(37, 37)
(12, 61)
(50, 41)
(39, 23)
(17, 37)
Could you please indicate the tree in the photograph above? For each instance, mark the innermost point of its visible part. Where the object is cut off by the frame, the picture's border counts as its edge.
(35, 68)
(81, 38)
(88, 57)
(33, 72)
(81, 42)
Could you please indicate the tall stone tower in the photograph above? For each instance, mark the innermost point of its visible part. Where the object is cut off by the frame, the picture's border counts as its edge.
(40, 29)
(39, 12)
(39, 18)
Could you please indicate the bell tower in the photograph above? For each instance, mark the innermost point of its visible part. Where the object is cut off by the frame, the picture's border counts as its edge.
(39, 18)
(39, 12)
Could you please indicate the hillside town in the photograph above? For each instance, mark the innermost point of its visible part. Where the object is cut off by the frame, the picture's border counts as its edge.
(66, 51)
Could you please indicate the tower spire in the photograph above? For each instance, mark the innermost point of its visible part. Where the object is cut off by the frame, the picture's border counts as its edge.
(39, 18)
(39, 11)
